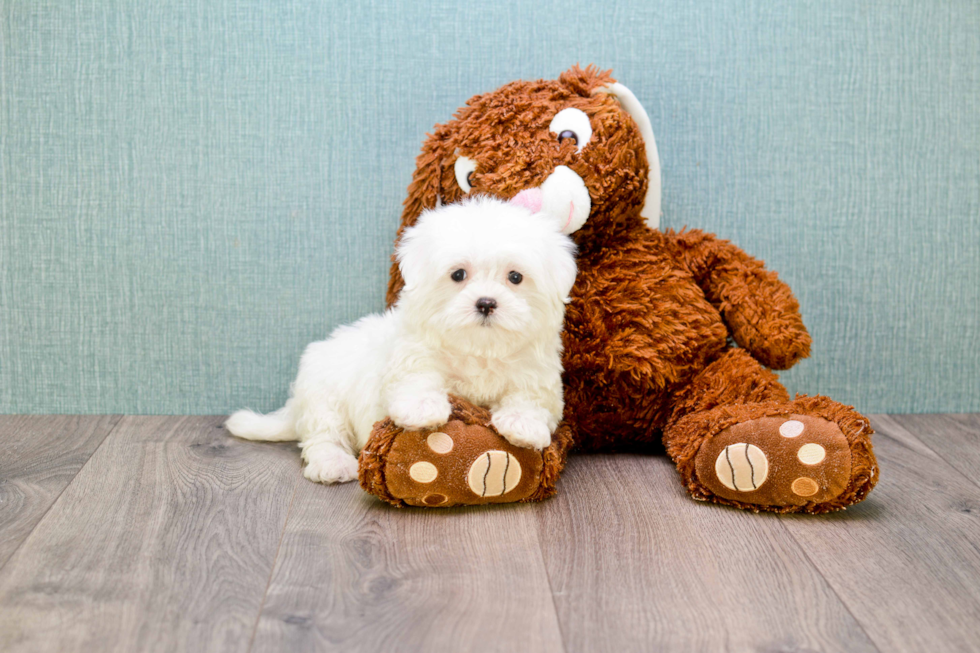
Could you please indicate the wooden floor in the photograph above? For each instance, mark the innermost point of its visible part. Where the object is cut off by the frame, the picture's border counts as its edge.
(166, 534)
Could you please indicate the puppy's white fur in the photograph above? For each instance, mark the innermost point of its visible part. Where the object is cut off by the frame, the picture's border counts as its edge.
(435, 341)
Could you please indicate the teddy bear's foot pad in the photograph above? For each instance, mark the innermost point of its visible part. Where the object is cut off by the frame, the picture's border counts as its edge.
(459, 465)
(789, 460)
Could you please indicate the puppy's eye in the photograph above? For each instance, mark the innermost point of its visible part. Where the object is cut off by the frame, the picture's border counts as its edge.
(458, 275)
(515, 277)
(464, 168)
(574, 124)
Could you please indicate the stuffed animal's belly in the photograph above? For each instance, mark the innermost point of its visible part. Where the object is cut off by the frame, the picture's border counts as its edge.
(622, 395)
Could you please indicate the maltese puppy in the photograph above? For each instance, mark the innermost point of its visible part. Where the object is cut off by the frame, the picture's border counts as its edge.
(480, 316)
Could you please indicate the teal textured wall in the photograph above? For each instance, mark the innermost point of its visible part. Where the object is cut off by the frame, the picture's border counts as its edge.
(192, 191)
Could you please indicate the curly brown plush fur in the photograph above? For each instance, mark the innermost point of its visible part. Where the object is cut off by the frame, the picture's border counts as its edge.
(648, 331)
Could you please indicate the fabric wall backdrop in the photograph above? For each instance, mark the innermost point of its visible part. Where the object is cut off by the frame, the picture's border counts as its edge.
(192, 191)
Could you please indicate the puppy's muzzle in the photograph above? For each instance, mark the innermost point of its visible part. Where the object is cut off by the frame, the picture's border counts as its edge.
(486, 305)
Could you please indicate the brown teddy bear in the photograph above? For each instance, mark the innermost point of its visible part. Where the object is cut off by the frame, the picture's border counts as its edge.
(648, 334)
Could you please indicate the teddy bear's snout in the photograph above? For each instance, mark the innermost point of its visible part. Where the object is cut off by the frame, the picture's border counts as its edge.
(563, 195)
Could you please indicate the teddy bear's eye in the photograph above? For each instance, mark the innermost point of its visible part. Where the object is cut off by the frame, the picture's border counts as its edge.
(574, 124)
(465, 167)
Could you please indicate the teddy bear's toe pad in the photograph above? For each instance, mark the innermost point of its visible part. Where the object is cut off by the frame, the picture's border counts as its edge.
(776, 461)
(460, 465)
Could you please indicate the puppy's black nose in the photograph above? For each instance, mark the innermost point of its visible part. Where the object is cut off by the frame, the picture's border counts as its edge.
(486, 305)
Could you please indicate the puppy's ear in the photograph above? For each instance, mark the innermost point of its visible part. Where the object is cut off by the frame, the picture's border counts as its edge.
(410, 255)
(554, 264)
(563, 265)
(427, 191)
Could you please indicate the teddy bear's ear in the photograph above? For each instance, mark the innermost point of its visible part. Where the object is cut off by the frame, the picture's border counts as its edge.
(632, 106)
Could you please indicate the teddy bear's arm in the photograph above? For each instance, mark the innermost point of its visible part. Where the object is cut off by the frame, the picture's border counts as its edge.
(759, 309)
(636, 319)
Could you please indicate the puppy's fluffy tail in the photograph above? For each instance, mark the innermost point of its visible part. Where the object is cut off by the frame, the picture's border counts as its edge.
(274, 427)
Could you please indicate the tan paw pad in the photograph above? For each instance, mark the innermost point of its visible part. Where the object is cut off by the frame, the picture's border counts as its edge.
(495, 473)
(811, 454)
(439, 442)
(423, 472)
(791, 428)
(742, 467)
(805, 487)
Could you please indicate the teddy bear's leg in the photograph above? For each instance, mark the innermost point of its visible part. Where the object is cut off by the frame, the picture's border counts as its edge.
(464, 462)
(738, 439)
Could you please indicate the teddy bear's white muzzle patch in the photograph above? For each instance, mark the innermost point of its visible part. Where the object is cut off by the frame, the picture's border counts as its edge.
(563, 195)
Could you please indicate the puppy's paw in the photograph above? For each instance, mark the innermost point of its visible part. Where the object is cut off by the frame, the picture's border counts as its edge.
(522, 428)
(416, 412)
(329, 464)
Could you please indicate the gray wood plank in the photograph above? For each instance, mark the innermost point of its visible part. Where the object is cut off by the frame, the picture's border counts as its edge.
(636, 565)
(164, 541)
(357, 575)
(906, 561)
(956, 438)
(39, 456)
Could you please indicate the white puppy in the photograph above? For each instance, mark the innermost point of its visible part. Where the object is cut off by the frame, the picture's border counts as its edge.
(480, 317)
